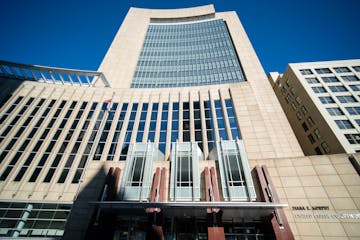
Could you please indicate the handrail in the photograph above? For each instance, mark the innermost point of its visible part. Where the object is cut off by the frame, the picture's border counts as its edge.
(64, 76)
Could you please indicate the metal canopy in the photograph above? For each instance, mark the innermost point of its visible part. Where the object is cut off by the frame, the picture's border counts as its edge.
(250, 210)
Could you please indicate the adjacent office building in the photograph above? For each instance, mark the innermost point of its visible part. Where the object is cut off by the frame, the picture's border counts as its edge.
(178, 135)
(322, 103)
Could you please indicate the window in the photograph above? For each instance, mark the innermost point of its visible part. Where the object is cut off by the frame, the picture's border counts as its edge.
(335, 111)
(128, 133)
(288, 98)
(344, 124)
(325, 147)
(312, 80)
(305, 127)
(342, 69)
(317, 133)
(322, 70)
(350, 78)
(163, 127)
(115, 139)
(353, 138)
(235, 172)
(153, 121)
(346, 99)
(287, 82)
(184, 175)
(186, 122)
(310, 121)
(318, 89)
(311, 139)
(220, 120)
(355, 87)
(356, 68)
(338, 89)
(304, 110)
(306, 71)
(283, 90)
(293, 106)
(318, 151)
(209, 123)
(136, 181)
(298, 100)
(326, 100)
(235, 133)
(298, 116)
(353, 110)
(175, 122)
(330, 79)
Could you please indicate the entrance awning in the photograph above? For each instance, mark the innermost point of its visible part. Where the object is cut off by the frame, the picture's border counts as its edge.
(251, 210)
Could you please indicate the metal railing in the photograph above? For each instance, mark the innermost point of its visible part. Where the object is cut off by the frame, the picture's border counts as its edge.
(52, 75)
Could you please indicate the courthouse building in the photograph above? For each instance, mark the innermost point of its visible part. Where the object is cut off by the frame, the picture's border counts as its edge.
(178, 135)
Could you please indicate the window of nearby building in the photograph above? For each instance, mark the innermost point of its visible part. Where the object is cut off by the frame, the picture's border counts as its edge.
(283, 90)
(344, 124)
(311, 139)
(353, 110)
(304, 110)
(318, 151)
(306, 71)
(325, 147)
(310, 121)
(330, 79)
(318, 89)
(317, 133)
(353, 138)
(293, 106)
(298, 100)
(350, 78)
(298, 116)
(355, 87)
(288, 98)
(322, 70)
(357, 121)
(356, 68)
(335, 111)
(346, 99)
(305, 127)
(287, 82)
(312, 80)
(342, 69)
(326, 100)
(338, 89)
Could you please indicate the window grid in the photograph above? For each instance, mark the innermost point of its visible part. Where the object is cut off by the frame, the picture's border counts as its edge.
(77, 144)
(209, 123)
(105, 131)
(153, 121)
(116, 137)
(186, 122)
(16, 119)
(90, 142)
(220, 120)
(128, 133)
(187, 55)
(163, 127)
(41, 140)
(52, 143)
(64, 144)
(11, 109)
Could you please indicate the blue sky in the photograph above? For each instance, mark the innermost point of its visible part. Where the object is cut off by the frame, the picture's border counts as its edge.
(77, 33)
